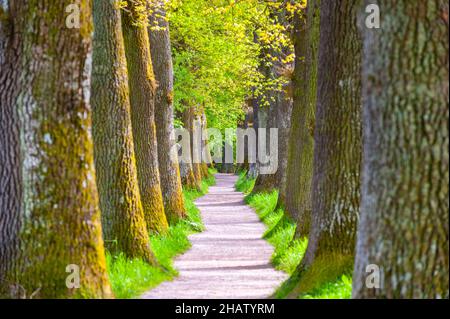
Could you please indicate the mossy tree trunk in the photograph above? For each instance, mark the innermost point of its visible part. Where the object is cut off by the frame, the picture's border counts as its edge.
(188, 176)
(206, 153)
(301, 140)
(337, 154)
(284, 114)
(50, 216)
(142, 87)
(124, 226)
(167, 156)
(196, 144)
(255, 105)
(404, 226)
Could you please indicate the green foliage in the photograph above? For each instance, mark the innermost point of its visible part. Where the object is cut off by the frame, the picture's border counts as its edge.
(130, 278)
(214, 58)
(244, 184)
(219, 47)
(339, 289)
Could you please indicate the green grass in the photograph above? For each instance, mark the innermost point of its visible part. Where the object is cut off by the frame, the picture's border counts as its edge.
(130, 278)
(338, 289)
(321, 282)
(244, 184)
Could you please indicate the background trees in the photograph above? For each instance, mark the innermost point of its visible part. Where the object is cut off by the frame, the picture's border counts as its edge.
(124, 226)
(164, 114)
(142, 86)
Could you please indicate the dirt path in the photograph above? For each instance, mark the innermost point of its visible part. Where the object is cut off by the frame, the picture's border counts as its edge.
(229, 259)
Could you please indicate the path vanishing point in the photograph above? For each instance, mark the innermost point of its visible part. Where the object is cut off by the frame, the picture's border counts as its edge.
(229, 260)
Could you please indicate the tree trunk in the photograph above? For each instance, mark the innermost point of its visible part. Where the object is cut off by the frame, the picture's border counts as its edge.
(187, 168)
(196, 145)
(405, 212)
(141, 83)
(262, 122)
(205, 148)
(253, 167)
(284, 113)
(337, 155)
(168, 158)
(301, 140)
(279, 111)
(124, 226)
(50, 216)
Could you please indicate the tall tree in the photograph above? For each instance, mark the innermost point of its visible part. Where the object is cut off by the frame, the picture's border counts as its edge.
(168, 159)
(205, 151)
(142, 88)
(49, 206)
(337, 153)
(124, 226)
(404, 227)
(279, 101)
(188, 176)
(301, 140)
(283, 123)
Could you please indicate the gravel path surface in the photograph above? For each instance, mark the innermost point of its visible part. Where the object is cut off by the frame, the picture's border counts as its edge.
(229, 259)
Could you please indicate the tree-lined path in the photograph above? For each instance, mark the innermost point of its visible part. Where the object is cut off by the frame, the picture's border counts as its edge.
(229, 259)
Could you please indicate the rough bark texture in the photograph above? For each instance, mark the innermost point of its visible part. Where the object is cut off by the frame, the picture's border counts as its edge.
(405, 211)
(141, 83)
(337, 154)
(301, 141)
(168, 158)
(124, 226)
(49, 212)
(284, 113)
(10, 160)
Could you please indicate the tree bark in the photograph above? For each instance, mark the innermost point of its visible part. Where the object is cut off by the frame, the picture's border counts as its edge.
(141, 83)
(168, 158)
(188, 177)
(301, 140)
(284, 114)
(404, 210)
(50, 216)
(337, 154)
(205, 148)
(255, 105)
(124, 226)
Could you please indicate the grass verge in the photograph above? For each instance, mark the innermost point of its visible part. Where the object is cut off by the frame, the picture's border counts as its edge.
(130, 278)
(289, 251)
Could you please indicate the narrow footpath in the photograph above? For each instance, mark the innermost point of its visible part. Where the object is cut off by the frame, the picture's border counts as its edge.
(229, 259)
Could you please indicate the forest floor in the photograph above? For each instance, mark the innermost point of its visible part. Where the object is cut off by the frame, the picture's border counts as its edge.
(230, 259)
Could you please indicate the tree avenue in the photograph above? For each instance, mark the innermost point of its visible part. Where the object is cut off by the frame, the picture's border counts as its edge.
(168, 148)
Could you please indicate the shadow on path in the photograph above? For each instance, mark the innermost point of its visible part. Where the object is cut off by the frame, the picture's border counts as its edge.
(229, 260)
